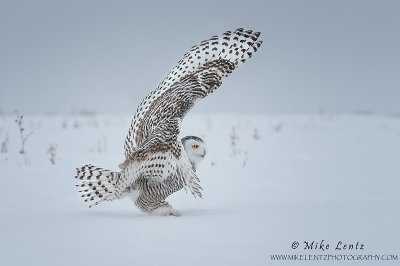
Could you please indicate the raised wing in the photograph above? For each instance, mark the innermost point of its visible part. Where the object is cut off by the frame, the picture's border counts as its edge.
(196, 75)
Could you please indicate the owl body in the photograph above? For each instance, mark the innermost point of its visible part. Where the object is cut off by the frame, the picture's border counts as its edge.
(150, 194)
(158, 163)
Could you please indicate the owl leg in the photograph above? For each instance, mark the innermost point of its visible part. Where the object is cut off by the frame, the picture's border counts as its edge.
(165, 210)
(153, 207)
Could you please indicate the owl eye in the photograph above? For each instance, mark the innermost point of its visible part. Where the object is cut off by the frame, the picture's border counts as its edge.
(195, 146)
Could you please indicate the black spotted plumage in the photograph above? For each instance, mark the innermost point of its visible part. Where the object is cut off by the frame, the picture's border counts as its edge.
(156, 164)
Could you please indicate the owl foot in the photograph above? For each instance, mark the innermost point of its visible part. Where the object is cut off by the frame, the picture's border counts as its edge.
(165, 211)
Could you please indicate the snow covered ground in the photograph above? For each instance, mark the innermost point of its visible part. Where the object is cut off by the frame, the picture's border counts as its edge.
(286, 178)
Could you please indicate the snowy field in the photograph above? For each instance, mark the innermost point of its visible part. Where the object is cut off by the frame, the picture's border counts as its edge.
(268, 181)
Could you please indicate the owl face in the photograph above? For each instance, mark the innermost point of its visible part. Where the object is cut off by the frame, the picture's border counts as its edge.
(195, 149)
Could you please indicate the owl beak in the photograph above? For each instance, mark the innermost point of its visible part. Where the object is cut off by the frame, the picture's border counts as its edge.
(204, 154)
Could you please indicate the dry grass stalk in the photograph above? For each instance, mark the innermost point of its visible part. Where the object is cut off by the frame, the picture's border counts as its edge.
(234, 139)
(20, 122)
(52, 151)
(255, 134)
(4, 145)
(277, 127)
(246, 158)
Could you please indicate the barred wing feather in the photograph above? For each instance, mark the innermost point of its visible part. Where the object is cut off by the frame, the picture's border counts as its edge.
(196, 75)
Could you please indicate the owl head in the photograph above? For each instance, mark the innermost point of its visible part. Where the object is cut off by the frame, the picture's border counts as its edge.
(195, 148)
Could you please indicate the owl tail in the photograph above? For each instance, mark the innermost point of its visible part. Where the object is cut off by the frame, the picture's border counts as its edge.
(97, 184)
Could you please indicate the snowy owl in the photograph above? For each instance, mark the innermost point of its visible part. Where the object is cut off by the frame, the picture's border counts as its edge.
(158, 163)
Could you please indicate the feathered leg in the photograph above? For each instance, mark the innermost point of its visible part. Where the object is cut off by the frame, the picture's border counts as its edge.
(153, 206)
(165, 210)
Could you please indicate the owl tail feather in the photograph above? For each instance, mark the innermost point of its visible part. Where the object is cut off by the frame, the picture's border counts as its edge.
(97, 184)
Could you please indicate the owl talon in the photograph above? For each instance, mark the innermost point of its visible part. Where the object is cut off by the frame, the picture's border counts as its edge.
(175, 213)
(165, 211)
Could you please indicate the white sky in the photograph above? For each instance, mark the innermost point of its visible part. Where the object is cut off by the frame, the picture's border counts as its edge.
(105, 56)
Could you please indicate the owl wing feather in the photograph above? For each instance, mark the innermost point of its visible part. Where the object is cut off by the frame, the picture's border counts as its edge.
(196, 75)
(152, 148)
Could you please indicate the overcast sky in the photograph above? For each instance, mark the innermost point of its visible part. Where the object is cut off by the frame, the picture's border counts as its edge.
(105, 56)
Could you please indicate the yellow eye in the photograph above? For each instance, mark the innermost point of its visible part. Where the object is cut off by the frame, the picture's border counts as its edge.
(195, 146)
